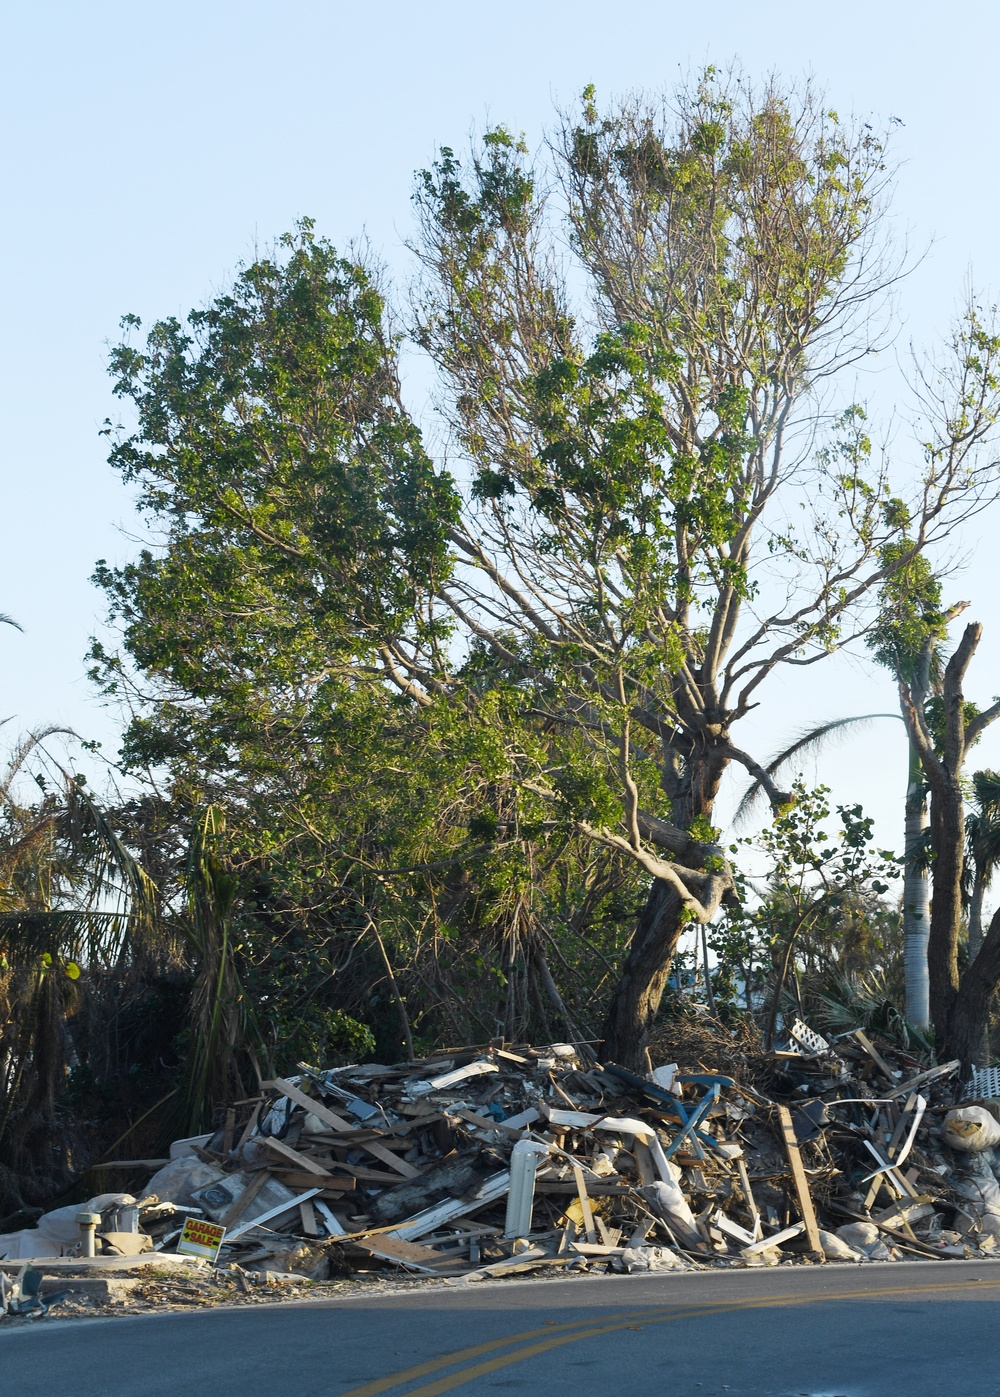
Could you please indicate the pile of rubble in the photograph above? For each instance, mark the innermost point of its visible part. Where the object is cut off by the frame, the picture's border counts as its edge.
(491, 1160)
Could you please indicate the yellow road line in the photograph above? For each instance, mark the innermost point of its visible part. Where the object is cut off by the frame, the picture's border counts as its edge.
(557, 1336)
(420, 1370)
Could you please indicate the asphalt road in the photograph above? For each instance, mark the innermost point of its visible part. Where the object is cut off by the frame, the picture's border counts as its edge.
(919, 1330)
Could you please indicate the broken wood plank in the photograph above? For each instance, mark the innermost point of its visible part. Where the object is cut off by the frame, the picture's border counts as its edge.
(862, 1038)
(520, 1261)
(340, 1125)
(308, 1215)
(758, 1229)
(643, 1162)
(733, 1229)
(250, 1126)
(301, 1161)
(417, 1258)
(588, 1216)
(776, 1239)
(239, 1205)
(303, 1178)
(908, 1212)
(597, 1188)
(434, 1217)
(933, 1074)
(229, 1130)
(800, 1181)
(274, 1212)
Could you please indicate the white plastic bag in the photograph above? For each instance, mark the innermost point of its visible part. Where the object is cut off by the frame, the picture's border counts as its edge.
(971, 1128)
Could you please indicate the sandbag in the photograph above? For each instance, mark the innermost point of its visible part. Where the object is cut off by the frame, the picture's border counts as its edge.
(971, 1128)
(668, 1200)
(982, 1194)
(864, 1237)
(652, 1259)
(836, 1248)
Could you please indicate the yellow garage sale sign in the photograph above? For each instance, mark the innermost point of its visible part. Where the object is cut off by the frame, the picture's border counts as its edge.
(200, 1238)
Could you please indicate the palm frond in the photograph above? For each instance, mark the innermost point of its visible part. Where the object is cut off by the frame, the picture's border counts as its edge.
(815, 739)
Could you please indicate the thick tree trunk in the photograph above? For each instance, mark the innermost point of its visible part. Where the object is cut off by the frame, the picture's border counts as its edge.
(643, 979)
(916, 898)
(967, 1035)
(948, 836)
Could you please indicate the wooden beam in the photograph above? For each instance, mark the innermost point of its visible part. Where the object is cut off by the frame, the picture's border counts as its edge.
(588, 1216)
(800, 1181)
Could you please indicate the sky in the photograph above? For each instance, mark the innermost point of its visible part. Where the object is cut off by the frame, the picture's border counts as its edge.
(149, 148)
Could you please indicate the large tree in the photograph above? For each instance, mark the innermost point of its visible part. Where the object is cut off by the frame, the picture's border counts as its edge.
(633, 347)
(650, 534)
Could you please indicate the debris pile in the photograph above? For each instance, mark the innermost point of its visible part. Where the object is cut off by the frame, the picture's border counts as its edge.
(493, 1160)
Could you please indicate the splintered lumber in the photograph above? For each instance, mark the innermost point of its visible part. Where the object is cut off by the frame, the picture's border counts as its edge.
(588, 1216)
(239, 1205)
(301, 1161)
(643, 1161)
(250, 1126)
(389, 1248)
(130, 1164)
(758, 1230)
(436, 1216)
(303, 1178)
(733, 1229)
(900, 1213)
(597, 1188)
(933, 1074)
(274, 1212)
(308, 1215)
(800, 1181)
(339, 1124)
(776, 1239)
(865, 1042)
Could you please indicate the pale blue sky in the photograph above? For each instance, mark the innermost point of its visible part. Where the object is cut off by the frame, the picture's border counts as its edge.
(148, 147)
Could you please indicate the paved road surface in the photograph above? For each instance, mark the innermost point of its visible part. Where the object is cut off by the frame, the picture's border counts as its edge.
(907, 1330)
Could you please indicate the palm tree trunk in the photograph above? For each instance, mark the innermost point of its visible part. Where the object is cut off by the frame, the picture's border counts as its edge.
(916, 898)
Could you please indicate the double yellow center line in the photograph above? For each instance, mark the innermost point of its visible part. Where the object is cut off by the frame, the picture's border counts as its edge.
(532, 1342)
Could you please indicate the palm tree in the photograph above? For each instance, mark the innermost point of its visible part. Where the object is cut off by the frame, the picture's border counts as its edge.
(71, 896)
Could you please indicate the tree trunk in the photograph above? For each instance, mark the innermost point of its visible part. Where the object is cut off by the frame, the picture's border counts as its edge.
(948, 836)
(967, 1034)
(916, 898)
(976, 913)
(643, 979)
